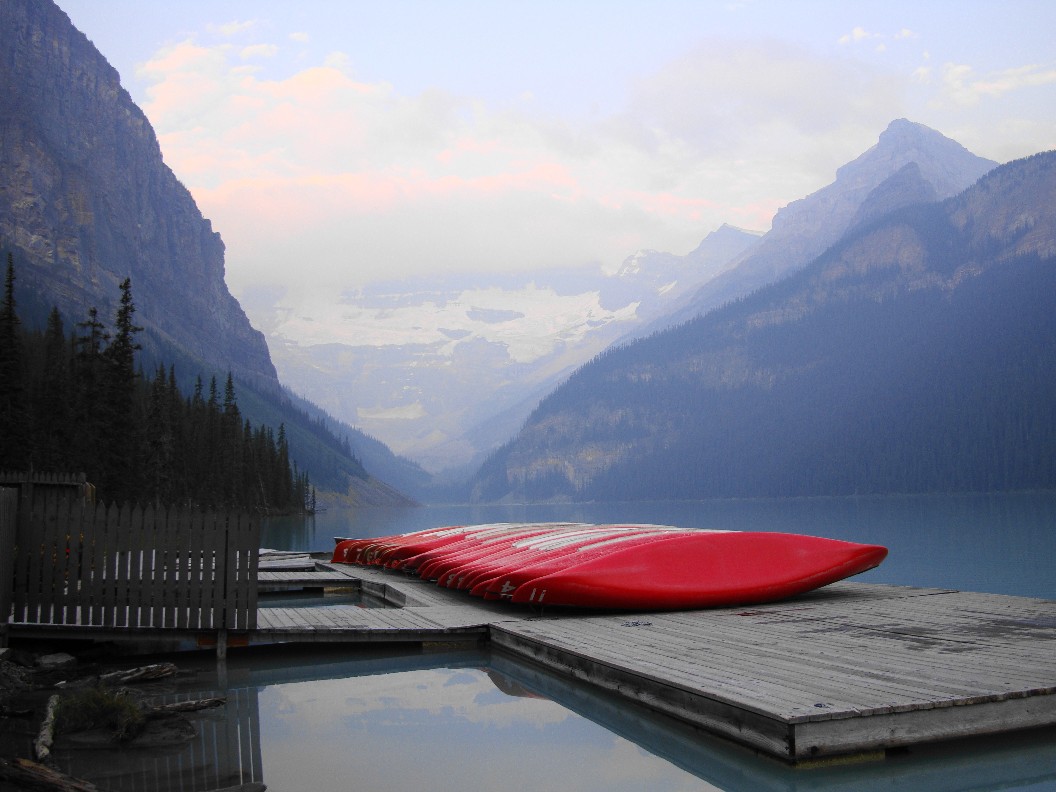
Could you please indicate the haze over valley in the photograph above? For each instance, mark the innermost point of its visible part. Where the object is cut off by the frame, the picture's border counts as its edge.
(744, 262)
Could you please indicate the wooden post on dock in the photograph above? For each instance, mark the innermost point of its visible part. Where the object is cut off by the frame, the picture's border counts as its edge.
(127, 567)
(8, 522)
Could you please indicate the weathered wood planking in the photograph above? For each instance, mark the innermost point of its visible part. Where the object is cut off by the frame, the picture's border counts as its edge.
(85, 565)
(8, 518)
(849, 668)
(352, 624)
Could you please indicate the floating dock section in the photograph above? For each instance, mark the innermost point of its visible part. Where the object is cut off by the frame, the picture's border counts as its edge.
(851, 669)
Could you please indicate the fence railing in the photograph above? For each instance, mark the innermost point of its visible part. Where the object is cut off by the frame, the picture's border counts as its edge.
(30, 483)
(34, 477)
(78, 563)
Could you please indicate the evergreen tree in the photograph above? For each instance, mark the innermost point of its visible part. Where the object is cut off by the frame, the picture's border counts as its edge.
(137, 439)
(231, 444)
(52, 413)
(283, 477)
(120, 443)
(160, 443)
(14, 412)
(87, 395)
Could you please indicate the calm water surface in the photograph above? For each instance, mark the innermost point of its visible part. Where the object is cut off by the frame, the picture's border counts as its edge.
(1002, 544)
(342, 719)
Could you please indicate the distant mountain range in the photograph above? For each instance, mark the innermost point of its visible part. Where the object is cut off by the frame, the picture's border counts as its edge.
(86, 201)
(447, 368)
(487, 350)
(916, 354)
(909, 164)
(892, 332)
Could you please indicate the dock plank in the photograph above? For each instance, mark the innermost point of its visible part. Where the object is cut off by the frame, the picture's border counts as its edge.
(827, 658)
(777, 664)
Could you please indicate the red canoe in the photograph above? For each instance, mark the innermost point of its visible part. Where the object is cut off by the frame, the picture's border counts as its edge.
(617, 566)
(703, 571)
(536, 561)
(552, 544)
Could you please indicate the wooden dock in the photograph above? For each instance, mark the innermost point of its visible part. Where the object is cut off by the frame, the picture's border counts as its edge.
(851, 669)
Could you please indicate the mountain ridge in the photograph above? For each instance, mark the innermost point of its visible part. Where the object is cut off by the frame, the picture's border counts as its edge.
(804, 228)
(87, 200)
(911, 356)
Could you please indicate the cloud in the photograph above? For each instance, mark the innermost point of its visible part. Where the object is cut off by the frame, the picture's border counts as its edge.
(859, 34)
(232, 29)
(355, 180)
(258, 51)
(1015, 79)
(963, 87)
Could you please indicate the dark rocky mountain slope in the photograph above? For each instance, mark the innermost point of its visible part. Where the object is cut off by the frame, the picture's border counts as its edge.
(86, 200)
(917, 354)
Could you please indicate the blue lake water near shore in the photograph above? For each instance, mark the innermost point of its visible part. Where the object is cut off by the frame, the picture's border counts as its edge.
(1001, 544)
(335, 718)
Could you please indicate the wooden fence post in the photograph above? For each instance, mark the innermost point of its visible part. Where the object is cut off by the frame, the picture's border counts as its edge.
(78, 564)
(8, 521)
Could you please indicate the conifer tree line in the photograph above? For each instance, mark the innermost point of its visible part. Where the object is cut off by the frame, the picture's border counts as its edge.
(77, 403)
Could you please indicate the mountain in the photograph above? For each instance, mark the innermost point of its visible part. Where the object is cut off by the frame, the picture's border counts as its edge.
(917, 354)
(86, 201)
(446, 369)
(909, 164)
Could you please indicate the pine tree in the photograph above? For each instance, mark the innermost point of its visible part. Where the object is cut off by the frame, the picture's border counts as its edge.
(160, 444)
(52, 411)
(14, 408)
(283, 476)
(120, 443)
(231, 449)
(87, 393)
(137, 439)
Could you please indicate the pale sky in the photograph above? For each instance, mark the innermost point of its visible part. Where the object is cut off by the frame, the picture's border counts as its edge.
(334, 144)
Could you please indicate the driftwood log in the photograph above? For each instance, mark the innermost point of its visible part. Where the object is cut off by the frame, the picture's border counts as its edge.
(34, 777)
(146, 673)
(162, 710)
(46, 735)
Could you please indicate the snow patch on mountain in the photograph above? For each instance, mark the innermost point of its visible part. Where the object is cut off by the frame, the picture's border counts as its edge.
(531, 321)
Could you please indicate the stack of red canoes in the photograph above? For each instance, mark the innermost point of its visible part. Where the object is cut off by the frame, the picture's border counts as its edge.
(648, 567)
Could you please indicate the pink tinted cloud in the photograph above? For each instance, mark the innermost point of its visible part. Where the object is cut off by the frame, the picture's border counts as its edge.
(668, 204)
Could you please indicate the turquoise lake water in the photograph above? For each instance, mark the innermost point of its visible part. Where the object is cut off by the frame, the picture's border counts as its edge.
(1002, 544)
(343, 719)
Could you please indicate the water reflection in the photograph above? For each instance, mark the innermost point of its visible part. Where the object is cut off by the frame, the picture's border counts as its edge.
(222, 749)
(336, 719)
(1022, 761)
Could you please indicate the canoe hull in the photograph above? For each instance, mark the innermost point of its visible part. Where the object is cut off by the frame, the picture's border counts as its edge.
(723, 569)
(618, 567)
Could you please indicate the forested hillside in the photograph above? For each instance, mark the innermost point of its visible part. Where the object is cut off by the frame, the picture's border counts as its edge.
(76, 401)
(86, 201)
(916, 355)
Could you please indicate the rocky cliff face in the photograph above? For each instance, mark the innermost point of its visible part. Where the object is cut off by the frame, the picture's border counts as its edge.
(86, 199)
(910, 163)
